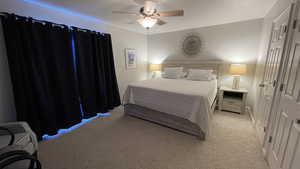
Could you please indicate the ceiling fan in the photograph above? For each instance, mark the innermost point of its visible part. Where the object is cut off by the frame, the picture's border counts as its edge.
(150, 16)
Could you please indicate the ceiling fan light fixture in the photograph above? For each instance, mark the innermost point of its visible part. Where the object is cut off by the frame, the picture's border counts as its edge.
(149, 7)
(147, 22)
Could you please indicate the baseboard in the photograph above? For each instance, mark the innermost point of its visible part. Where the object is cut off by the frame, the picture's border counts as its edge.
(248, 110)
(256, 128)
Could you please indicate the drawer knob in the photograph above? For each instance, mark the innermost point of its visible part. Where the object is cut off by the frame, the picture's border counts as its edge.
(261, 85)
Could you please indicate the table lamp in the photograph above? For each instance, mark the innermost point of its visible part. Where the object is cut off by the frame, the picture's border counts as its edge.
(237, 70)
(154, 68)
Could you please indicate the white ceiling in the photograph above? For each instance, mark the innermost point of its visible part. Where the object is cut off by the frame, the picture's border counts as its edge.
(198, 13)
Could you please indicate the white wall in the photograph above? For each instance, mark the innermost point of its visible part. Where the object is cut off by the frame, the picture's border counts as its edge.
(274, 12)
(231, 43)
(121, 39)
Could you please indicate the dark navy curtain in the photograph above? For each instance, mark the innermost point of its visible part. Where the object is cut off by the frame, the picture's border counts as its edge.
(48, 83)
(96, 75)
(41, 66)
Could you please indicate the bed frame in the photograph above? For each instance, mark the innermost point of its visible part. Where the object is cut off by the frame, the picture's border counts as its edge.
(169, 120)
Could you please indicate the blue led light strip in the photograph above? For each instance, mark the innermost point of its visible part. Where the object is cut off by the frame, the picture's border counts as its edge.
(67, 11)
(84, 121)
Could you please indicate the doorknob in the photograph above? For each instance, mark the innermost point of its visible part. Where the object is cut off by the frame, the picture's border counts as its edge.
(261, 85)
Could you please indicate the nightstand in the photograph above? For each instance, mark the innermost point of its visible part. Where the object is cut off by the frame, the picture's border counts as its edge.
(233, 100)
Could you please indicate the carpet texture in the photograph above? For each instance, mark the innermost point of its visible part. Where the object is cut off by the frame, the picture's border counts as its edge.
(123, 142)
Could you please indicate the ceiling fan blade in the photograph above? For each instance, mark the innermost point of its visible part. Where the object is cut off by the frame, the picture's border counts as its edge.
(126, 12)
(171, 13)
(160, 22)
(131, 22)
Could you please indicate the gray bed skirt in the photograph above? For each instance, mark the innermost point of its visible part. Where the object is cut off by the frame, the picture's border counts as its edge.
(164, 119)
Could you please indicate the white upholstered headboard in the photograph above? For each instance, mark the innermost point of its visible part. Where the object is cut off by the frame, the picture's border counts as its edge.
(194, 64)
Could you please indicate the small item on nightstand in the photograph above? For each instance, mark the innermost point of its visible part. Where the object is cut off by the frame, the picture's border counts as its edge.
(154, 68)
(233, 100)
(237, 70)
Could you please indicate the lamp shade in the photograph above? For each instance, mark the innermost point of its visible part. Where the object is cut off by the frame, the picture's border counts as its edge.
(238, 69)
(147, 22)
(155, 67)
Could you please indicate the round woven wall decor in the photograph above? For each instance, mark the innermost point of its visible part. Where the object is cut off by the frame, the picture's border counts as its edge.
(191, 45)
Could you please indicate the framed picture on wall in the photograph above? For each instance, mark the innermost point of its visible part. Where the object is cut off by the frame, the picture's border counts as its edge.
(130, 58)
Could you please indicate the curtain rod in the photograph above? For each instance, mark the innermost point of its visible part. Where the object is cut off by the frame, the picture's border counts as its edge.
(58, 25)
(83, 30)
(54, 24)
(38, 21)
(86, 30)
(73, 28)
(3, 14)
(44, 22)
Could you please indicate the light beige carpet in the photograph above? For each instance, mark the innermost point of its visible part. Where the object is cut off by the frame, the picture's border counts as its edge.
(122, 142)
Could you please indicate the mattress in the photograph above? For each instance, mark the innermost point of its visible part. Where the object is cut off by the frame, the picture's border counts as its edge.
(187, 99)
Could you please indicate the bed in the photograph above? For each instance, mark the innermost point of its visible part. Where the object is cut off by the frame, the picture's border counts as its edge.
(180, 104)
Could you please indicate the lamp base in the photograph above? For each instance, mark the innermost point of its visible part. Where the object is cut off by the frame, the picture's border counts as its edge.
(236, 82)
(153, 75)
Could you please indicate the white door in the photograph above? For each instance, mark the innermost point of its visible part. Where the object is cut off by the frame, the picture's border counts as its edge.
(275, 53)
(284, 150)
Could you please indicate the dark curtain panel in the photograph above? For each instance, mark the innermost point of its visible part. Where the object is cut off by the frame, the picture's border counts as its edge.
(98, 86)
(42, 73)
(113, 95)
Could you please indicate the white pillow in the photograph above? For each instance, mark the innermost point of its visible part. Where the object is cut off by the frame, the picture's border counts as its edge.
(182, 75)
(173, 72)
(200, 75)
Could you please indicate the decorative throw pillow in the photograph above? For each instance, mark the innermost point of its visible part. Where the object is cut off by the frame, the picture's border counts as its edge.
(200, 75)
(173, 72)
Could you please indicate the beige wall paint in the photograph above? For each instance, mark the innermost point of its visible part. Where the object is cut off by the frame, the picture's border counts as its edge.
(121, 39)
(274, 12)
(230, 43)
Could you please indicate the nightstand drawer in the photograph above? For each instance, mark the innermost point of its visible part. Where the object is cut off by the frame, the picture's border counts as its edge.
(232, 102)
(232, 108)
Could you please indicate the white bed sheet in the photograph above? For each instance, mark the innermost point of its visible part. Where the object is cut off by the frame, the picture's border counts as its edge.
(180, 97)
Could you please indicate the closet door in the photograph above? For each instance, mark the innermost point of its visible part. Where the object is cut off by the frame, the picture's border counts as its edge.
(284, 152)
(275, 54)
